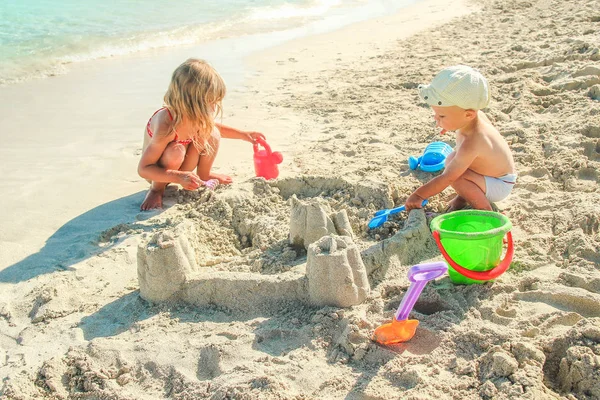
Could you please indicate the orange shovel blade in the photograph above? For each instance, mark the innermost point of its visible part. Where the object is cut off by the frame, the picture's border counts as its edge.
(396, 331)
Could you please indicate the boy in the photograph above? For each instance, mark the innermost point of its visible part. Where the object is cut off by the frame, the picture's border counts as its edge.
(481, 168)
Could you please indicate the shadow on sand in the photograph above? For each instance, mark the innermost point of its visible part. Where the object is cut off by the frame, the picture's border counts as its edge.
(116, 317)
(76, 240)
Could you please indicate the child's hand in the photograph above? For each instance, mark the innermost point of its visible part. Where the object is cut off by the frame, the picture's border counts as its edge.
(253, 136)
(189, 180)
(211, 183)
(413, 201)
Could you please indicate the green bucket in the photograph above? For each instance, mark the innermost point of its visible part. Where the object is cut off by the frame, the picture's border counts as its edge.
(472, 242)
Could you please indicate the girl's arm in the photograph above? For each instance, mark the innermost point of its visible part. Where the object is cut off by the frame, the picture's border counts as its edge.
(148, 167)
(232, 133)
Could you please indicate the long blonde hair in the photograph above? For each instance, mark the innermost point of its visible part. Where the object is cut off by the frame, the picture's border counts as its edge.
(195, 87)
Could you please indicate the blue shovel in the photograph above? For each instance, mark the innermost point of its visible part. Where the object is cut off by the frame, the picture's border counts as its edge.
(382, 215)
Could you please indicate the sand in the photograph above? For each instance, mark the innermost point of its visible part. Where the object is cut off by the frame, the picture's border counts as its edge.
(234, 314)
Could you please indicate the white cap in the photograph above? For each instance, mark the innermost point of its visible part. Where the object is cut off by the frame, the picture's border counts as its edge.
(460, 86)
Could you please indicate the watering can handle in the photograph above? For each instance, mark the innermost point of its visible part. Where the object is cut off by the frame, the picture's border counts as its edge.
(479, 275)
(263, 144)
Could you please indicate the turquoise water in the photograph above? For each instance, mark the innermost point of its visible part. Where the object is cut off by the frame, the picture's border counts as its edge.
(40, 38)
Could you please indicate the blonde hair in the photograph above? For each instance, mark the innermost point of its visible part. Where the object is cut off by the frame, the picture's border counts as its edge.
(195, 87)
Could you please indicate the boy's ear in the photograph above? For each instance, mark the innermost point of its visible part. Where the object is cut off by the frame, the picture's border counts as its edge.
(470, 113)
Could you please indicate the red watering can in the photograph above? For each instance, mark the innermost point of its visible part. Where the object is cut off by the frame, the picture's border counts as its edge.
(265, 161)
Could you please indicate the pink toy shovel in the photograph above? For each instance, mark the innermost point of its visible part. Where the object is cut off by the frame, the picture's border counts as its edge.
(402, 329)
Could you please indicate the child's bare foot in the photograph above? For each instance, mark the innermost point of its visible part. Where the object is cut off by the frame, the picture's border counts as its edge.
(154, 199)
(457, 203)
(223, 179)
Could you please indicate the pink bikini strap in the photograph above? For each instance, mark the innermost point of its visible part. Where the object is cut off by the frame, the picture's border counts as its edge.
(188, 141)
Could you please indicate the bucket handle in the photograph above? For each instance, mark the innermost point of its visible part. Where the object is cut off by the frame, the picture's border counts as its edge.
(264, 144)
(479, 275)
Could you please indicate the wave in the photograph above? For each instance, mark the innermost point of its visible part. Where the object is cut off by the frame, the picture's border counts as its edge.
(287, 11)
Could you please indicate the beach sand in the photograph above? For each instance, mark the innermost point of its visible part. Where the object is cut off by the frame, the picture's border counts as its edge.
(342, 107)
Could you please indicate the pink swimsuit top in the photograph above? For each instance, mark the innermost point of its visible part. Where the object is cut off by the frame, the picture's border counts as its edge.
(184, 142)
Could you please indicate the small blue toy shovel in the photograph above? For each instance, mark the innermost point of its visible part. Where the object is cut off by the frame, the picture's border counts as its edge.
(402, 329)
(382, 215)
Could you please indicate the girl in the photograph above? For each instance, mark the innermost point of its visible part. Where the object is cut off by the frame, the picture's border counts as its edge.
(183, 134)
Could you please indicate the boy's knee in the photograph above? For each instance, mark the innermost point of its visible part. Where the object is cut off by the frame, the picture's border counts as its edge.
(471, 176)
(461, 179)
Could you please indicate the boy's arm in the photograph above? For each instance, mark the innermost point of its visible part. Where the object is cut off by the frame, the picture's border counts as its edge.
(463, 159)
(232, 133)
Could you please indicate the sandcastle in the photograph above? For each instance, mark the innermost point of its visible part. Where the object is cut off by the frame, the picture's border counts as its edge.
(311, 221)
(335, 273)
(172, 265)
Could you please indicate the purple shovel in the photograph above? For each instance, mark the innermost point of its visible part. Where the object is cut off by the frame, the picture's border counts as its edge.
(402, 329)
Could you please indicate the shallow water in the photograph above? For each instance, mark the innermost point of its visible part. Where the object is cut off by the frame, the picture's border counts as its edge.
(40, 38)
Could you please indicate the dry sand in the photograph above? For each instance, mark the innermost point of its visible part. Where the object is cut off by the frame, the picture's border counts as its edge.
(344, 110)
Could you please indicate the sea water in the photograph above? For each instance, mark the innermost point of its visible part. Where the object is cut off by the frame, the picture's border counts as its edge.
(40, 38)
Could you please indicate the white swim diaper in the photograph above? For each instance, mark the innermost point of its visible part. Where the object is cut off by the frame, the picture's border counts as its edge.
(497, 189)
